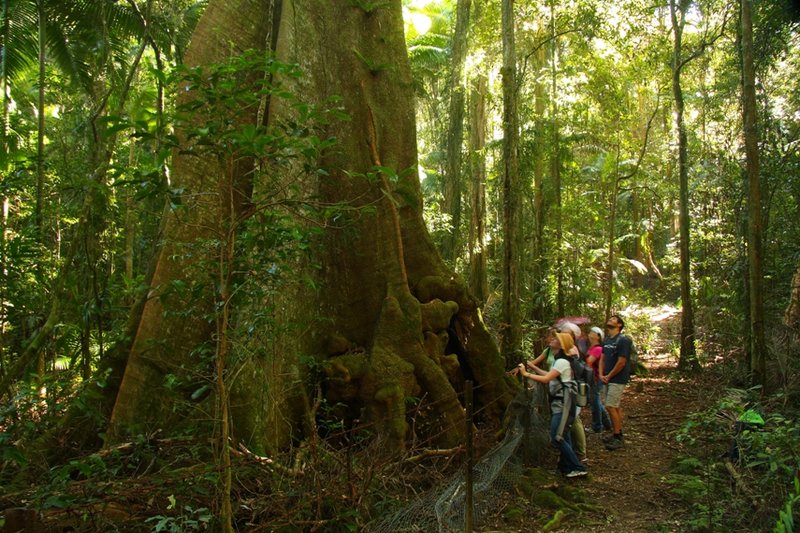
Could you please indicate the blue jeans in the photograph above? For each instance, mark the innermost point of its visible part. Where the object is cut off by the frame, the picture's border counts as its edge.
(600, 417)
(567, 461)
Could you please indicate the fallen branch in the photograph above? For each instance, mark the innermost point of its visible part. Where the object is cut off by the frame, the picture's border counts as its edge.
(242, 451)
(434, 453)
(741, 485)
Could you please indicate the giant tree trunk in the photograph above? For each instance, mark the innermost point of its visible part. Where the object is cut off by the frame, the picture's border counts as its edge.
(758, 347)
(688, 356)
(389, 321)
(174, 323)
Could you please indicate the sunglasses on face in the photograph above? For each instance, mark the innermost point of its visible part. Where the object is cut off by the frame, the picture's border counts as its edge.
(611, 326)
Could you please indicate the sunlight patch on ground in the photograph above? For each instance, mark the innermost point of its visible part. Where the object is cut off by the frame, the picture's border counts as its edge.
(655, 314)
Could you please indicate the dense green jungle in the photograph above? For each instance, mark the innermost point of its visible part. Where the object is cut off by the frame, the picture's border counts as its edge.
(273, 265)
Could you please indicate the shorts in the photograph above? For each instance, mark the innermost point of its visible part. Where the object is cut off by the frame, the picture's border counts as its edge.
(613, 394)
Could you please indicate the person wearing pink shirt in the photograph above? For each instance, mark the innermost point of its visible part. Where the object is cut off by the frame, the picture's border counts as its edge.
(600, 418)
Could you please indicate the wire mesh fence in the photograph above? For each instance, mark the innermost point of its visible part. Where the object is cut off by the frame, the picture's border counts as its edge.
(443, 508)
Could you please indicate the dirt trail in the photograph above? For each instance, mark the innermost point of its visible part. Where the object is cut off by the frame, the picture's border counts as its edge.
(630, 483)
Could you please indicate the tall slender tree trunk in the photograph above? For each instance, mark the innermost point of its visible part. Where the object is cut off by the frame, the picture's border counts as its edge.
(688, 355)
(511, 191)
(4, 169)
(758, 347)
(38, 215)
(538, 250)
(612, 223)
(455, 131)
(40, 111)
(130, 219)
(555, 162)
(478, 279)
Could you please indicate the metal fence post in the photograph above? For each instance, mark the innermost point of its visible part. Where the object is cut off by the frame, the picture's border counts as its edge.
(468, 514)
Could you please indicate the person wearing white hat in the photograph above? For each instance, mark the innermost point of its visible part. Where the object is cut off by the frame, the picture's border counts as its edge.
(600, 418)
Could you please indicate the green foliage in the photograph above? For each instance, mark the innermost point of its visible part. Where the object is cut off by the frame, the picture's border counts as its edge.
(188, 518)
(785, 523)
(767, 464)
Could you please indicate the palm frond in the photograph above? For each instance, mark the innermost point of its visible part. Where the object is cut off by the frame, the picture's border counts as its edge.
(20, 46)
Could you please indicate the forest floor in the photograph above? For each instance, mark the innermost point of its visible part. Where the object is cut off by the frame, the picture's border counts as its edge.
(630, 486)
(628, 489)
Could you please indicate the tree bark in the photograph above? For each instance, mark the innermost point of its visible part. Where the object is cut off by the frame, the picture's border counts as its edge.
(758, 347)
(455, 131)
(792, 315)
(4, 203)
(478, 277)
(612, 226)
(388, 320)
(555, 161)
(512, 200)
(538, 249)
(688, 354)
(225, 28)
(42, 13)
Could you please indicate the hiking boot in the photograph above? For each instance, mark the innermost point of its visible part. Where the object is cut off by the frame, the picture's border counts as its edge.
(615, 444)
(577, 473)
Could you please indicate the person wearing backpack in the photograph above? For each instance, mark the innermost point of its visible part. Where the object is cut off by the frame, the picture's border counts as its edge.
(584, 378)
(561, 387)
(615, 373)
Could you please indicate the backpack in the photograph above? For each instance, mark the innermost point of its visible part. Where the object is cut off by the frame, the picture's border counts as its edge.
(634, 359)
(634, 356)
(583, 376)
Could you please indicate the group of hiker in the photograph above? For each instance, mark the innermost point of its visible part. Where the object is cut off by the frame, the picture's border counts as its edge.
(564, 367)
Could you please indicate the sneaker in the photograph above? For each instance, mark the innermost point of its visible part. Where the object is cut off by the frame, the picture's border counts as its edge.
(614, 444)
(576, 473)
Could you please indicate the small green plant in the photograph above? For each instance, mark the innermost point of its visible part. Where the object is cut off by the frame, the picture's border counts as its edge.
(785, 522)
(188, 519)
